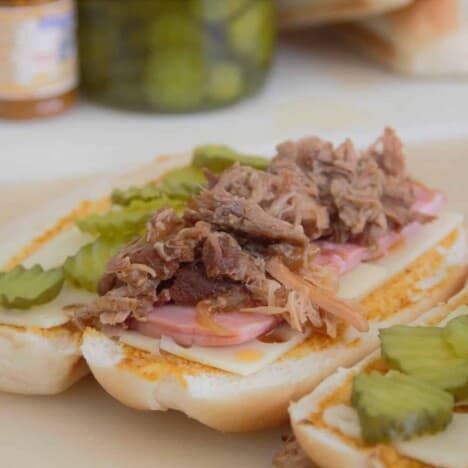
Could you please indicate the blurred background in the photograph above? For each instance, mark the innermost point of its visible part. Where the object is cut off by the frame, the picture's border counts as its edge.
(92, 85)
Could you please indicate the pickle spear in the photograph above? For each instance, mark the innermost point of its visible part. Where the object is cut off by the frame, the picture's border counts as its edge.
(86, 267)
(22, 288)
(396, 406)
(217, 158)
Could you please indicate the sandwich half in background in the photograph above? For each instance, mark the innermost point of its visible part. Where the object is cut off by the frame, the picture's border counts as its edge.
(428, 37)
(267, 280)
(294, 13)
(405, 405)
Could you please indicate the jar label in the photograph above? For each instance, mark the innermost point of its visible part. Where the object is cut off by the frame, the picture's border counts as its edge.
(37, 50)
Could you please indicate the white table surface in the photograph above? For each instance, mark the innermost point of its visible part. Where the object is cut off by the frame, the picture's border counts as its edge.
(316, 86)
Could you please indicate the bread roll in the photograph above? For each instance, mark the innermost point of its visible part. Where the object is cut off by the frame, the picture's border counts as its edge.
(427, 38)
(294, 13)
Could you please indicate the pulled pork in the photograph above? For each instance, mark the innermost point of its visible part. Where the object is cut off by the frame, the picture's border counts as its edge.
(245, 241)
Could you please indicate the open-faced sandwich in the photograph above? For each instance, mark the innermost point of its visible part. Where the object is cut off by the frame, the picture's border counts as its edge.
(228, 284)
(403, 406)
(268, 277)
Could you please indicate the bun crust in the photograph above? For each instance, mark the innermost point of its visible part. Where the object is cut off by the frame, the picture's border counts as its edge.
(428, 37)
(325, 447)
(228, 402)
(307, 12)
(39, 362)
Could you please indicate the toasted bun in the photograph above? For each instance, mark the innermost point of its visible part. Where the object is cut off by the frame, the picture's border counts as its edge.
(293, 13)
(429, 37)
(229, 402)
(39, 362)
(326, 448)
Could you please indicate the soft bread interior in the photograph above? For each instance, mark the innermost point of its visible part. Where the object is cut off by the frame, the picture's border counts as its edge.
(328, 447)
(39, 362)
(307, 12)
(230, 402)
(429, 37)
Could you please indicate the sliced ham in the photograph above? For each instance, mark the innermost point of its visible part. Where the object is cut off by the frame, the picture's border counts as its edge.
(179, 322)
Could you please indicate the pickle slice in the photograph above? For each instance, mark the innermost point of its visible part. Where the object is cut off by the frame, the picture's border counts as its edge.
(127, 222)
(216, 10)
(147, 192)
(183, 182)
(456, 334)
(85, 268)
(225, 83)
(396, 406)
(251, 35)
(22, 288)
(175, 80)
(217, 158)
(423, 353)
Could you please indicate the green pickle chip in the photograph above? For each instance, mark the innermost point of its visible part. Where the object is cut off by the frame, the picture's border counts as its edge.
(424, 353)
(251, 34)
(456, 334)
(85, 268)
(217, 158)
(174, 30)
(217, 10)
(22, 288)
(127, 222)
(396, 406)
(183, 182)
(147, 192)
(225, 82)
(175, 79)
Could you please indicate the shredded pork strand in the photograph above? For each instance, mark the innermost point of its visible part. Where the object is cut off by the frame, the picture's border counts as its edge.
(249, 240)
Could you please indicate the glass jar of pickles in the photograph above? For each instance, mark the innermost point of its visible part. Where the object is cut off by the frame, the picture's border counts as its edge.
(174, 55)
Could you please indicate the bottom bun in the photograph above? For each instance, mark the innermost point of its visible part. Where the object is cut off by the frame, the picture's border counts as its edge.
(39, 361)
(229, 402)
(328, 449)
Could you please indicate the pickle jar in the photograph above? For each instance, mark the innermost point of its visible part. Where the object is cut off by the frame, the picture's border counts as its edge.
(174, 55)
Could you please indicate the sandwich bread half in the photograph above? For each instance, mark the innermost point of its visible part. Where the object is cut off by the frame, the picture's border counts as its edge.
(327, 430)
(426, 38)
(296, 13)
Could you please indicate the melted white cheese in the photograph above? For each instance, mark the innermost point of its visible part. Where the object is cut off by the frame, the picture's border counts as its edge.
(446, 449)
(54, 253)
(47, 315)
(361, 280)
(139, 341)
(421, 240)
(345, 419)
(366, 277)
(243, 359)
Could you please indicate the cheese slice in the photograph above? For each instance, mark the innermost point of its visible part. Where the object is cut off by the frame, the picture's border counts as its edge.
(54, 252)
(243, 359)
(361, 280)
(416, 243)
(446, 449)
(47, 315)
(367, 277)
(139, 341)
